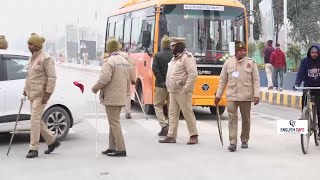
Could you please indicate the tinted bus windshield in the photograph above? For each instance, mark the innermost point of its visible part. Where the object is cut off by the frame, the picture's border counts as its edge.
(208, 32)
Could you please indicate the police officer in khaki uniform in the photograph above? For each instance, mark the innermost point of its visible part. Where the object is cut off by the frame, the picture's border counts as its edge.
(3, 42)
(40, 84)
(114, 84)
(160, 68)
(132, 79)
(181, 76)
(241, 76)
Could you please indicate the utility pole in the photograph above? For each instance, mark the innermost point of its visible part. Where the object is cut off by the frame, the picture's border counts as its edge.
(251, 20)
(285, 19)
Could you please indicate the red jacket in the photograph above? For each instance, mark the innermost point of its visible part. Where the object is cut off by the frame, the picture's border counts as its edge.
(278, 59)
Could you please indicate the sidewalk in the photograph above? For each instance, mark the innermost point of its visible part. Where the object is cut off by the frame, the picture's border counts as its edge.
(80, 67)
(284, 98)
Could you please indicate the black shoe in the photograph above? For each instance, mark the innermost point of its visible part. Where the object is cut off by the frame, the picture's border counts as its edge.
(32, 154)
(107, 151)
(232, 147)
(117, 154)
(164, 131)
(52, 147)
(244, 145)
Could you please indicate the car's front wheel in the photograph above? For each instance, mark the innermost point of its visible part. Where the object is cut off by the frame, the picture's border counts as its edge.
(58, 121)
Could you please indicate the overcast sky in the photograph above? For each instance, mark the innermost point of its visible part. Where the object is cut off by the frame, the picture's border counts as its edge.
(19, 18)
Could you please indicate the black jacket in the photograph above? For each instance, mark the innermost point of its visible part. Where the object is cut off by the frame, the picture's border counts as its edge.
(160, 66)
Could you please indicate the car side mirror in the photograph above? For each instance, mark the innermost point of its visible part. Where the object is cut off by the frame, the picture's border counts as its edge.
(146, 39)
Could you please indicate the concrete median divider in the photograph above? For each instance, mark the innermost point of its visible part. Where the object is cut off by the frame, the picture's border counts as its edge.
(285, 98)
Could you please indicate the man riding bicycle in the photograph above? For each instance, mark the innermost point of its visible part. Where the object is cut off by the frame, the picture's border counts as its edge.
(309, 73)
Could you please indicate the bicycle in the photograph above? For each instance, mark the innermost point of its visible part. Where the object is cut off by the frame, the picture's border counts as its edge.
(309, 112)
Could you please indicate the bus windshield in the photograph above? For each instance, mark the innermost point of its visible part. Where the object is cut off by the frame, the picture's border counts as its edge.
(209, 30)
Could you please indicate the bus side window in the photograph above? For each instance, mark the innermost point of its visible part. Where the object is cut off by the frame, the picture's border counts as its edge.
(135, 35)
(126, 38)
(111, 30)
(119, 31)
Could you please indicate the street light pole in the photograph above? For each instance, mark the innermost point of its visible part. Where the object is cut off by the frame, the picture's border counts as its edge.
(285, 19)
(251, 19)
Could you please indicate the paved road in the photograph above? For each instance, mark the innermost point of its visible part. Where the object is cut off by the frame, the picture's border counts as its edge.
(270, 156)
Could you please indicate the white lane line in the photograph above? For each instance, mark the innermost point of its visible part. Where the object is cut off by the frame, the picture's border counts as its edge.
(268, 116)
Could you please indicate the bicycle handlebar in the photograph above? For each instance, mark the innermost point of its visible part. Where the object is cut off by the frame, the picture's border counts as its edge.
(304, 88)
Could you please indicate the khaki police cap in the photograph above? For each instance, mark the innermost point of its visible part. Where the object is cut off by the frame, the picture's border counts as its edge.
(175, 40)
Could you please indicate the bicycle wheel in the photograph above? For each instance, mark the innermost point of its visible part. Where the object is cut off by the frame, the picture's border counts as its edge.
(315, 126)
(305, 138)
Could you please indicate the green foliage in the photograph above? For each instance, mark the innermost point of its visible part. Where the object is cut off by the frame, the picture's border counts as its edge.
(261, 45)
(304, 19)
(252, 49)
(294, 53)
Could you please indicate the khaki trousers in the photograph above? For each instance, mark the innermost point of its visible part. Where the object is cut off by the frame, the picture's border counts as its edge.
(38, 126)
(181, 101)
(245, 108)
(161, 96)
(127, 107)
(116, 141)
(269, 70)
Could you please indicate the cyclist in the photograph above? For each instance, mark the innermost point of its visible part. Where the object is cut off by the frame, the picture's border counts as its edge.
(309, 73)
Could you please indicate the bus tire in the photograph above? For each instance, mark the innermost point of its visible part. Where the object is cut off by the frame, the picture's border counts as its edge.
(213, 110)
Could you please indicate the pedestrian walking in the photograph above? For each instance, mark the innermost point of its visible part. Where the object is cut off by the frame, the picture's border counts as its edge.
(114, 84)
(181, 76)
(240, 74)
(268, 66)
(85, 57)
(39, 86)
(160, 68)
(278, 61)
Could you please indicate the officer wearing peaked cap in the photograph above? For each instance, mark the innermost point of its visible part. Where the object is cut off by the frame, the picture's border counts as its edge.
(241, 76)
(40, 84)
(181, 76)
(114, 84)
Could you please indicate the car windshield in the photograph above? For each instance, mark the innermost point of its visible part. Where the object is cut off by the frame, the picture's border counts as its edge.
(209, 33)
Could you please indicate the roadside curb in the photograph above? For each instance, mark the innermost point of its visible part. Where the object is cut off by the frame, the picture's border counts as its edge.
(282, 99)
(95, 69)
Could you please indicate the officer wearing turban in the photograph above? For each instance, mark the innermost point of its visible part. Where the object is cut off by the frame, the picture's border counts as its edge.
(241, 75)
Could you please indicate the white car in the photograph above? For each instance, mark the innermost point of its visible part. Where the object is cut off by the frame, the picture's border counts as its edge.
(64, 109)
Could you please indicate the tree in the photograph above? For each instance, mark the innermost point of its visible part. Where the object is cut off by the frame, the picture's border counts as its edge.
(294, 53)
(304, 19)
(257, 18)
(278, 16)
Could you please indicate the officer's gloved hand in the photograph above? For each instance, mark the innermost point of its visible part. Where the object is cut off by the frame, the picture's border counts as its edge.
(295, 87)
(23, 98)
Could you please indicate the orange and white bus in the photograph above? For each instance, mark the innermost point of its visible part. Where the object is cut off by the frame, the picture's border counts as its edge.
(210, 27)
